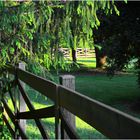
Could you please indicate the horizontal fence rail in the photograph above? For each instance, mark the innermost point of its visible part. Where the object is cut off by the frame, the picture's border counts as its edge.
(80, 52)
(109, 121)
(42, 85)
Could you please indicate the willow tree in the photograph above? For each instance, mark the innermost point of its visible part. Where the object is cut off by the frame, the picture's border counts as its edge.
(34, 30)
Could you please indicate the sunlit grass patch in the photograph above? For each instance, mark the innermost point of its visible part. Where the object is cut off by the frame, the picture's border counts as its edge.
(87, 62)
(32, 130)
(85, 131)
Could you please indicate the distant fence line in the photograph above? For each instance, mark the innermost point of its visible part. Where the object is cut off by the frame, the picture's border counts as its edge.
(80, 52)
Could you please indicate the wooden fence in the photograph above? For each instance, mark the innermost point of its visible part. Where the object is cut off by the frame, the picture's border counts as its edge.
(109, 121)
(80, 52)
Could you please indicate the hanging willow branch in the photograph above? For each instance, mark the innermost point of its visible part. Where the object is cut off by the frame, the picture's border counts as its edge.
(39, 27)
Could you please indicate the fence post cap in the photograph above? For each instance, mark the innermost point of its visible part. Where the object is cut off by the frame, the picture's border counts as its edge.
(67, 76)
(21, 63)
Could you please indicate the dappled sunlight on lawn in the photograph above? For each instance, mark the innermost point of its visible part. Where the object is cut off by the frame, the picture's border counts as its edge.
(86, 131)
(88, 62)
(32, 131)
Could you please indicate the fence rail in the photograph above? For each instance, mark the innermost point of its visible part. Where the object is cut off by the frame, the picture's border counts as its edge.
(80, 52)
(109, 121)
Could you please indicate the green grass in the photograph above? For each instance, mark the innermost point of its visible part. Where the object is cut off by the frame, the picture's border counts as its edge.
(100, 87)
(109, 91)
(84, 130)
(87, 62)
(84, 62)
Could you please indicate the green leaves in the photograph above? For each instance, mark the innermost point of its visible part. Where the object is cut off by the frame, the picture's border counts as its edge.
(98, 46)
(12, 50)
(39, 27)
(116, 10)
(29, 35)
(125, 1)
(18, 44)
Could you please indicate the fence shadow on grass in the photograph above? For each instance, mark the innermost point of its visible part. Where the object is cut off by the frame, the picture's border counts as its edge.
(83, 130)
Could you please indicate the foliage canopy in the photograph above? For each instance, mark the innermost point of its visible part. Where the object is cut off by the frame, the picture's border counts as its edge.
(120, 37)
(35, 30)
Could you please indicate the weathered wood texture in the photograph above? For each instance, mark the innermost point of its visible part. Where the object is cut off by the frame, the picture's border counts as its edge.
(42, 85)
(8, 111)
(69, 82)
(22, 104)
(13, 119)
(57, 116)
(68, 127)
(31, 108)
(109, 121)
(47, 112)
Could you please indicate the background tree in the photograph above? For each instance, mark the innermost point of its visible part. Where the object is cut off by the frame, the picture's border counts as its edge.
(120, 37)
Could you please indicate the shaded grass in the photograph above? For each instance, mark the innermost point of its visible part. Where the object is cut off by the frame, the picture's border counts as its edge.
(109, 91)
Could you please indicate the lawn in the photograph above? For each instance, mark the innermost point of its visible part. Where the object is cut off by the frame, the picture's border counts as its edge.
(117, 92)
(87, 62)
(108, 90)
(121, 91)
(84, 62)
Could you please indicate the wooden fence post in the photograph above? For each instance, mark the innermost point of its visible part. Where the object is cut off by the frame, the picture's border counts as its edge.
(69, 82)
(57, 122)
(1, 109)
(22, 104)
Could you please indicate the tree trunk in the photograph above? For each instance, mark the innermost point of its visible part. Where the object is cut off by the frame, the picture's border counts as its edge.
(97, 57)
(100, 58)
(74, 59)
